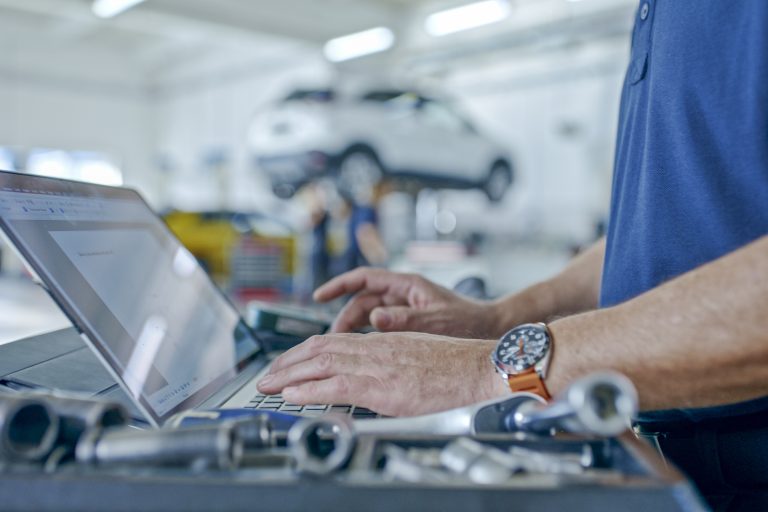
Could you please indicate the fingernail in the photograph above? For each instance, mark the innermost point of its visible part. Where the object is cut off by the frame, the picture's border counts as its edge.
(383, 319)
(266, 380)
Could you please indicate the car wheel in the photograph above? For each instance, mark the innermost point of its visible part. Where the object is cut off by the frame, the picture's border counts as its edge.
(284, 190)
(498, 181)
(359, 172)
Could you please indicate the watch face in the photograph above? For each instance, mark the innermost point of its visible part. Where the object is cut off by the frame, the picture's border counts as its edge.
(523, 347)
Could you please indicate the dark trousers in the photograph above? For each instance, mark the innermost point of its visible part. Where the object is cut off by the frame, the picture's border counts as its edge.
(726, 460)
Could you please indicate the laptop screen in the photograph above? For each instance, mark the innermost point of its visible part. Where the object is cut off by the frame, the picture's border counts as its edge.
(143, 300)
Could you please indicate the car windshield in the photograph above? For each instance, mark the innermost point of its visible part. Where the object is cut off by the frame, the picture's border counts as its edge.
(384, 96)
(312, 95)
(394, 99)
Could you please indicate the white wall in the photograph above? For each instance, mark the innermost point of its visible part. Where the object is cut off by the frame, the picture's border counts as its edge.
(212, 110)
(557, 112)
(63, 100)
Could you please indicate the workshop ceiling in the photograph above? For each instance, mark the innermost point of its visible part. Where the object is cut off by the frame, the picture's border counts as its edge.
(160, 33)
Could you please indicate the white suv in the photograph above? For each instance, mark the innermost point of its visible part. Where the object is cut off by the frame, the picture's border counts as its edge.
(367, 136)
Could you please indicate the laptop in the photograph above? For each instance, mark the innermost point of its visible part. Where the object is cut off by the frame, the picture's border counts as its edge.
(138, 298)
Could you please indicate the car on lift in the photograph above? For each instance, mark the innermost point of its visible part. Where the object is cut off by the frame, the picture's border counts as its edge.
(364, 137)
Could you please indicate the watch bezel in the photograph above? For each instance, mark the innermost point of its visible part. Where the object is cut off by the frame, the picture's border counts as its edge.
(539, 365)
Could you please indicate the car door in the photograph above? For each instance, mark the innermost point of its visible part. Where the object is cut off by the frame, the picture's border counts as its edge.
(450, 146)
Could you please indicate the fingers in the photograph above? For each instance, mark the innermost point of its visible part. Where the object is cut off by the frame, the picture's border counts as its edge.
(372, 280)
(340, 343)
(340, 389)
(355, 313)
(396, 318)
(323, 366)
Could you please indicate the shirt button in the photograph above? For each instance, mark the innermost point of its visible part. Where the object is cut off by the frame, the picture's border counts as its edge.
(644, 10)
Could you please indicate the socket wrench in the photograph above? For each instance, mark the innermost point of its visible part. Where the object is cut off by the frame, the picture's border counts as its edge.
(28, 428)
(321, 445)
(80, 414)
(198, 447)
(488, 416)
(601, 404)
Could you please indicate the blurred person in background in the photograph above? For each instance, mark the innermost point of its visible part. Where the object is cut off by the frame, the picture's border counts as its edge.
(357, 209)
(365, 246)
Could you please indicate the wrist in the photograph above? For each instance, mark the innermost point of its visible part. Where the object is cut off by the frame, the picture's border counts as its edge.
(494, 385)
(521, 357)
(534, 304)
(497, 317)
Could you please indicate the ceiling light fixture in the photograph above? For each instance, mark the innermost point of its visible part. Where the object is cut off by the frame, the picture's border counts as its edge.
(467, 17)
(111, 8)
(375, 40)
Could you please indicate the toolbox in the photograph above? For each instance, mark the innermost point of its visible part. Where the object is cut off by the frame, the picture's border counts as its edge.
(627, 475)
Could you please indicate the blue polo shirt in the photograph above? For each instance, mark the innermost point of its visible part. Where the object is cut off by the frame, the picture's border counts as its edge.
(691, 165)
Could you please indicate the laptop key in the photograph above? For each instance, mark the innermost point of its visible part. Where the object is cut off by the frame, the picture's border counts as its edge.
(343, 409)
(315, 407)
(291, 408)
(272, 407)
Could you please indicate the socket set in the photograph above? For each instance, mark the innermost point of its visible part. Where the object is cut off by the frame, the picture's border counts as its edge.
(515, 453)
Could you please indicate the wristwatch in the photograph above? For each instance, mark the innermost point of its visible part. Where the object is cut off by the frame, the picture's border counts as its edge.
(522, 358)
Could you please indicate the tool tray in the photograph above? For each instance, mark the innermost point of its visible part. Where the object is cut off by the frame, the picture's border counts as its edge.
(626, 475)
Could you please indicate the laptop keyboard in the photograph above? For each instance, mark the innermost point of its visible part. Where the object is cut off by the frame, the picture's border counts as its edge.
(277, 403)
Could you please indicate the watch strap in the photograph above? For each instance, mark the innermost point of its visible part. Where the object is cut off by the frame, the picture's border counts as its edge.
(529, 382)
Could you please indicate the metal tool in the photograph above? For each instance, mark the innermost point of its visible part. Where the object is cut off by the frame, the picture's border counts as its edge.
(321, 445)
(198, 447)
(486, 416)
(399, 465)
(80, 414)
(486, 464)
(480, 463)
(255, 433)
(28, 428)
(535, 461)
(599, 404)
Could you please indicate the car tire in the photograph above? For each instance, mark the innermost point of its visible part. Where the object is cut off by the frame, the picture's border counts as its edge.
(284, 190)
(498, 181)
(359, 168)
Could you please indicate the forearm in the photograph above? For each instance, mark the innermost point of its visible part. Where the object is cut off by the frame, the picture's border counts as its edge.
(371, 245)
(698, 340)
(574, 290)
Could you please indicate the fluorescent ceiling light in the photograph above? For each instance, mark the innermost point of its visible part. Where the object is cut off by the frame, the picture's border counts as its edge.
(110, 8)
(467, 17)
(375, 40)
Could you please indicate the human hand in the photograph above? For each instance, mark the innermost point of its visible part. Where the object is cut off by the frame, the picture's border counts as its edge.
(395, 374)
(389, 301)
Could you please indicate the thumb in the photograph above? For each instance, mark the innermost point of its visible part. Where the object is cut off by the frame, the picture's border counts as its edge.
(397, 318)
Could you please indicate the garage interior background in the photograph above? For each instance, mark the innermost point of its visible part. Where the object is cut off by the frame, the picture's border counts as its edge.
(162, 97)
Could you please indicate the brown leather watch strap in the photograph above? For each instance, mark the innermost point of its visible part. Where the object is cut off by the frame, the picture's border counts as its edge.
(529, 382)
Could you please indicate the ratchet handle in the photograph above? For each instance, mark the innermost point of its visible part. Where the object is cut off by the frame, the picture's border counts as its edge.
(600, 404)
